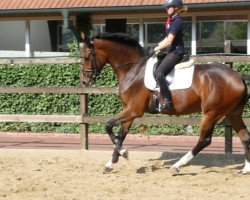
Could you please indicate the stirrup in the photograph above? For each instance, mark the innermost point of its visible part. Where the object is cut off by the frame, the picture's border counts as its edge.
(154, 109)
(167, 105)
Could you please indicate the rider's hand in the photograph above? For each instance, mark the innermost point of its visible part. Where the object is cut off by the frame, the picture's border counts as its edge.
(157, 53)
(151, 52)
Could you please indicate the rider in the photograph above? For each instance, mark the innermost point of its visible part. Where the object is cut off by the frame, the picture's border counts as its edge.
(174, 42)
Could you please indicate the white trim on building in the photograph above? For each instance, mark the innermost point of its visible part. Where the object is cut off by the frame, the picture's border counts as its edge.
(193, 40)
(27, 38)
(248, 35)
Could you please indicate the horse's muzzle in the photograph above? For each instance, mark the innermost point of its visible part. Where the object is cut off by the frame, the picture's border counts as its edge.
(88, 80)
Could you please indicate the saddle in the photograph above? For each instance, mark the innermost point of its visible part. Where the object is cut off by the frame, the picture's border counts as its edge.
(179, 78)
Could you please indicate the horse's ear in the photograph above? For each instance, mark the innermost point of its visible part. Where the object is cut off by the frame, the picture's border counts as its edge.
(86, 40)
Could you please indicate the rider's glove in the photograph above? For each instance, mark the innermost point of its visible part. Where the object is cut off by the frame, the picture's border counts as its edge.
(153, 53)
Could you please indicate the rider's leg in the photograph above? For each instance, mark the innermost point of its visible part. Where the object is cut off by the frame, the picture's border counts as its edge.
(162, 70)
(165, 92)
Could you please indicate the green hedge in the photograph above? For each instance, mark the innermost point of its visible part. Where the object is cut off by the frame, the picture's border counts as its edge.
(44, 76)
(68, 75)
(48, 76)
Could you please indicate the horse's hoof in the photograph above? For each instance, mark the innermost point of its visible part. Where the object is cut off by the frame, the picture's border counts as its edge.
(175, 170)
(107, 169)
(124, 153)
(243, 172)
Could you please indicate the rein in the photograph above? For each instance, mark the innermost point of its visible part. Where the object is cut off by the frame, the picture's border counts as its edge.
(133, 62)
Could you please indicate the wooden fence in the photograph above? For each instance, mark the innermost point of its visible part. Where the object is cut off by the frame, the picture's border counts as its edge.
(83, 118)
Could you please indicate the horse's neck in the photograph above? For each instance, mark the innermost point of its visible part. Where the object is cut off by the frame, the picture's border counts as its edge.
(124, 59)
(125, 66)
(126, 62)
(130, 73)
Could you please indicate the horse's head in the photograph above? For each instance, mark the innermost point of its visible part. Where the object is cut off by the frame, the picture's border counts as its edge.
(121, 51)
(92, 60)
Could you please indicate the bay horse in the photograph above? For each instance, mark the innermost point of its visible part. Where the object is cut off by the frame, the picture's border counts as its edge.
(216, 91)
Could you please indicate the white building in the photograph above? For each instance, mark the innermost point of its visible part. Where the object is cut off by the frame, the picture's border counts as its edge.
(28, 27)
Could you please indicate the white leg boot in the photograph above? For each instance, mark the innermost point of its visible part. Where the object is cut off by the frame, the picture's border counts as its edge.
(183, 161)
(246, 168)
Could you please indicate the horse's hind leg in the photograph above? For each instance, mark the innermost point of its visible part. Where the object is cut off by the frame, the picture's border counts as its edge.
(235, 119)
(207, 126)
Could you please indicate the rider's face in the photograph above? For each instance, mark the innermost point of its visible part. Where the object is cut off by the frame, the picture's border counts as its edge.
(170, 10)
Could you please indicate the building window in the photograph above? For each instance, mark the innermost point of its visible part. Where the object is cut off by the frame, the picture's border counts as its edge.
(210, 37)
(65, 37)
(60, 37)
(133, 30)
(213, 32)
(97, 29)
(236, 32)
(154, 32)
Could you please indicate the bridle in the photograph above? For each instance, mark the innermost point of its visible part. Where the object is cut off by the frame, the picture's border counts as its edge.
(95, 70)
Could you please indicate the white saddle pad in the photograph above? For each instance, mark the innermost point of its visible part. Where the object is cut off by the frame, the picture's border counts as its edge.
(178, 78)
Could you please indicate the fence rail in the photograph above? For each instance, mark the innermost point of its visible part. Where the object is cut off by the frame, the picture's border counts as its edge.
(103, 119)
(56, 90)
(221, 58)
(40, 60)
(83, 118)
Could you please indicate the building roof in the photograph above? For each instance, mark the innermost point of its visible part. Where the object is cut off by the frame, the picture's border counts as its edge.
(53, 4)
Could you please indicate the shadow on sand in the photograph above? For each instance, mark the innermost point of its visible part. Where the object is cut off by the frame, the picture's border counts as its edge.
(167, 159)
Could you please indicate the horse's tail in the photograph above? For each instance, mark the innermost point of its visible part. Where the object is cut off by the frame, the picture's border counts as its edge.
(247, 96)
(246, 77)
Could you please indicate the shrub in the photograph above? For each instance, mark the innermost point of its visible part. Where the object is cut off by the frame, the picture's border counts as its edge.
(68, 104)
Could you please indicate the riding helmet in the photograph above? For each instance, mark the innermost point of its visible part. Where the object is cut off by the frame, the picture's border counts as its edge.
(172, 3)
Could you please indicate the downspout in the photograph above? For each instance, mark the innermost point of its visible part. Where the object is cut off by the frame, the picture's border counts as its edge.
(66, 24)
(65, 13)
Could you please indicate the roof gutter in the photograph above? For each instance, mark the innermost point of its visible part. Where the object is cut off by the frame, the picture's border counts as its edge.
(120, 8)
(219, 5)
(80, 9)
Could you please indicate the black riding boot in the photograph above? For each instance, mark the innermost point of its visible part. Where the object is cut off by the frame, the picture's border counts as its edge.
(165, 92)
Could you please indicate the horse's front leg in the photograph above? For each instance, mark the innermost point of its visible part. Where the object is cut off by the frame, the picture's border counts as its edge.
(117, 140)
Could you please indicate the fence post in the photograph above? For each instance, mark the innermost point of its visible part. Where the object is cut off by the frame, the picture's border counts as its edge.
(228, 137)
(84, 126)
(83, 108)
(228, 46)
(228, 128)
